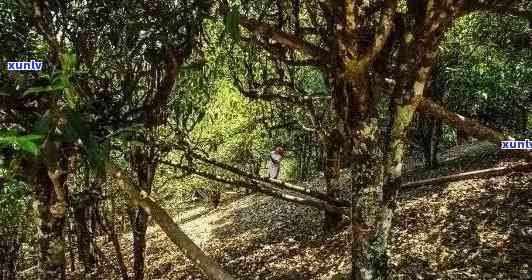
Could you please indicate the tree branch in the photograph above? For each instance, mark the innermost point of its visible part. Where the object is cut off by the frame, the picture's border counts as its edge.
(289, 40)
(384, 29)
(470, 126)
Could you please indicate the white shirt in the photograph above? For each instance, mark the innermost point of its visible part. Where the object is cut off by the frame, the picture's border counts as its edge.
(274, 164)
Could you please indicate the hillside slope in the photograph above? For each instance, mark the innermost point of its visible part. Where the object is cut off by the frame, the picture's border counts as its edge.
(472, 229)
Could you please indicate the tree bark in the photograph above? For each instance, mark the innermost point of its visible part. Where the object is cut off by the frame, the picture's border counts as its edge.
(397, 145)
(172, 230)
(435, 136)
(139, 224)
(430, 132)
(71, 244)
(142, 162)
(85, 232)
(50, 219)
(369, 248)
(332, 221)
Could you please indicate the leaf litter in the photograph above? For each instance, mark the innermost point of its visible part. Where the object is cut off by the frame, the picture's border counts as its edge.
(471, 229)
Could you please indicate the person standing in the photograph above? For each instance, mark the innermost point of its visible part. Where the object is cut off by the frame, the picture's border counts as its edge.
(274, 163)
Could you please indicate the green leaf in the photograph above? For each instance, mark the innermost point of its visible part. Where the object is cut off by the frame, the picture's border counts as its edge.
(96, 155)
(29, 146)
(42, 89)
(68, 63)
(71, 97)
(42, 125)
(25, 142)
(56, 77)
(8, 138)
(231, 23)
(30, 137)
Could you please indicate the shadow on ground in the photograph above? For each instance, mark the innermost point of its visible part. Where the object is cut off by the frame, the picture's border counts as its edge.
(473, 229)
(272, 239)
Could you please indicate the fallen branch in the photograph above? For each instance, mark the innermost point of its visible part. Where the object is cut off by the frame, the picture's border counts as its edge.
(306, 191)
(277, 183)
(261, 185)
(265, 189)
(172, 230)
(484, 173)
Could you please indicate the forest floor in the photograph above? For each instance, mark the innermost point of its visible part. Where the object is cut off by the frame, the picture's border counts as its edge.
(471, 229)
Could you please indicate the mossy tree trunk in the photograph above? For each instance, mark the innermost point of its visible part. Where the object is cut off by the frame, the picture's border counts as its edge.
(50, 220)
(376, 178)
(367, 45)
(369, 248)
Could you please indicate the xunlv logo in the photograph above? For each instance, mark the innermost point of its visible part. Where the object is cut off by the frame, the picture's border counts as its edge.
(24, 65)
(516, 145)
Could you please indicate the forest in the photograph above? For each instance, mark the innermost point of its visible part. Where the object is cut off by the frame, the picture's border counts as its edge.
(265, 139)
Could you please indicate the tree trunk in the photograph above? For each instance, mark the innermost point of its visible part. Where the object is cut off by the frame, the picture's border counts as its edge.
(50, 219)
(461, 137)
(431, 138)
(436, 89)
(369, 249)
(139, 224)
(71, 244)
(332, 220)
(143, 164)
(215, 196)
(435, 136)
(85, 232)
(108, 228)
